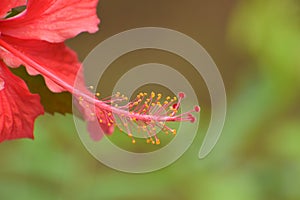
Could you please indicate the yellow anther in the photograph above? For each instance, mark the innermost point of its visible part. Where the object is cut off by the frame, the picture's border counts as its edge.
(91, 87)
(157, 141)
(129, 134)
(109, 114)
(152, 94)
(141, 94)
(100, 120)
(168, 98)
(174, 131)
(133, 141)
(165, 102)
(98, 94)
(153, 104)
(108, 124)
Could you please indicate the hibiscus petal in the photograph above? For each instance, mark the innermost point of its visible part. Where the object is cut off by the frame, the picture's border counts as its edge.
(52, 61)
(18, 107)
(7, 5)
(93, 114)
(53, 20)
(96, 133)
(56, 63)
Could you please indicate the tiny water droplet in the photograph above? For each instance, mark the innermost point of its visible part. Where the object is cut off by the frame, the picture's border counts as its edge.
(2, 84)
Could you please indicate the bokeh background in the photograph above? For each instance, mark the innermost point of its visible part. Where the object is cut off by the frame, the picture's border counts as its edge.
(256, 46)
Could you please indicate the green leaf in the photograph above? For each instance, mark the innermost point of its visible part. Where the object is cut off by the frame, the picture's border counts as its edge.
(15, 11)
(52, 102)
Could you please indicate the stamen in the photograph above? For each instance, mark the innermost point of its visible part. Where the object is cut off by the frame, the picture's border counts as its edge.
(147, 114)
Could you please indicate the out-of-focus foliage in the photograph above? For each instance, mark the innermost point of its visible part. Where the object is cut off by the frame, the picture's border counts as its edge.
(269, 31)
(257, 157)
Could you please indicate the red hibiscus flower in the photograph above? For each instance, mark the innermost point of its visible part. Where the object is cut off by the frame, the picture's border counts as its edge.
(32, 33)
(34, 38)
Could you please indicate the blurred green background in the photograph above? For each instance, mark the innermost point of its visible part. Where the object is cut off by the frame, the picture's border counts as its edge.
(256, 46)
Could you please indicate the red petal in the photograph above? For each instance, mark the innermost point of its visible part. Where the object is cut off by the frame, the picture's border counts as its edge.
(97, 130)
(93, 114)
(53, 20)
(7, 5)
(18, 107)
(57, 63)
(96, 133)
(53, 61)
